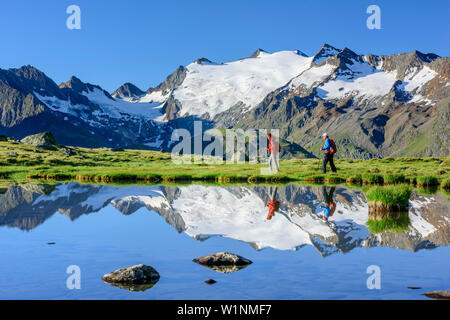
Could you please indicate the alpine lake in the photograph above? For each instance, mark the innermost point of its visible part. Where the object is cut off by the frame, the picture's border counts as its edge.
(48, 231)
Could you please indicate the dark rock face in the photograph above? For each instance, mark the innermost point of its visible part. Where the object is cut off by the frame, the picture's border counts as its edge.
(135, 278)
(203, 61)
(79, 87)
(3, 138)
(256, 53)
(43, 140)
(174, 80)
(128, 90)
(324, 52)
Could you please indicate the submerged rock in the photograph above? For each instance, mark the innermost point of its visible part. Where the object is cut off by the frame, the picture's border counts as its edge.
(135, 278)
(438, 294)
(210, 281)
(224, 262)
(43, 140)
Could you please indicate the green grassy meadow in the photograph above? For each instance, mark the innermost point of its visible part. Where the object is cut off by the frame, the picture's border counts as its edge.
(21, 163)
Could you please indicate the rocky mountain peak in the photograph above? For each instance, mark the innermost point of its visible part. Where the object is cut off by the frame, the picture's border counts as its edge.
(426, 57)
(128, 90)
(202, 61)
(30, 73)
(30, 79)
(324, 52)
(257, 53)
(172, 81)
(75, 84)
(81, 87)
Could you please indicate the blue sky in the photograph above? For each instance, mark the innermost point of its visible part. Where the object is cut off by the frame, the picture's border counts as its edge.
(142, 41)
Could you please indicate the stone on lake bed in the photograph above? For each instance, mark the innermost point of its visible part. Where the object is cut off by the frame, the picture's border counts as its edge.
(224, 262)
(210, 281)
(135, 278)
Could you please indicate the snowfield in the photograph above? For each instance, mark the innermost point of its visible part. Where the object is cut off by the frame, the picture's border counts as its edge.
(371, 85)
(310, 76)
(115, 108)
(211, 88)
(214, 88)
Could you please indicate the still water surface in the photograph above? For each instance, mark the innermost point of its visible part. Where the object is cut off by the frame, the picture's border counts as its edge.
(295, 254)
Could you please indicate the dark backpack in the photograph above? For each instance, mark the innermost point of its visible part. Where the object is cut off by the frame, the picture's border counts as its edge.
(333, 147)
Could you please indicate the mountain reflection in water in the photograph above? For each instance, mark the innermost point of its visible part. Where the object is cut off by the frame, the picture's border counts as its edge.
(239, 212)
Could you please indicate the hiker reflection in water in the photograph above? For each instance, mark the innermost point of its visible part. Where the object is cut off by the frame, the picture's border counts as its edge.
(273, 204)
(328, 206)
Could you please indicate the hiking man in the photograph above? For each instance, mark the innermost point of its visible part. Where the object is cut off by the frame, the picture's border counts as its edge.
(273, 204)
(273, 150)
(330, 149)
(328, 206)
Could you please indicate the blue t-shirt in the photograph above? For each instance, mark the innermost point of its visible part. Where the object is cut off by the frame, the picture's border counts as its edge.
(327, 145)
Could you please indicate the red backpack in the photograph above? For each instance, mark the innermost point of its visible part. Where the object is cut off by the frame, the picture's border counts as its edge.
(333, 147)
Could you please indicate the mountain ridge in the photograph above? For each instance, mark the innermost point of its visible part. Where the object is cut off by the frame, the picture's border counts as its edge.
(374, 105)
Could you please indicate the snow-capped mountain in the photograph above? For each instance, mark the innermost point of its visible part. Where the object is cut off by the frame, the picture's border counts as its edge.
(372, 105)
(237, 213)
(77, 113)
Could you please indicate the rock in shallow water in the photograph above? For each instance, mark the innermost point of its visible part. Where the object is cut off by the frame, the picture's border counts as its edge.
(438, 294)
(224, 262)
(210, 281)
(135, 278)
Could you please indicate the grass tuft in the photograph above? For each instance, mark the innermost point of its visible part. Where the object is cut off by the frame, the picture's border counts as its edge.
(372, 179)
(399, 225)
(445, 183)
(390, 195)
(393, 178)
(426, 181)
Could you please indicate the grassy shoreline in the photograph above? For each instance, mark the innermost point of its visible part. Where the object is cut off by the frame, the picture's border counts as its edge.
(21, 162)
